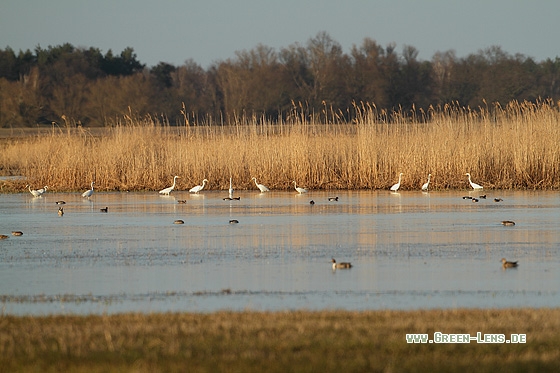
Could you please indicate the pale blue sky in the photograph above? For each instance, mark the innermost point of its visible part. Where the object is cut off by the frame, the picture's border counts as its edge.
(208, 31)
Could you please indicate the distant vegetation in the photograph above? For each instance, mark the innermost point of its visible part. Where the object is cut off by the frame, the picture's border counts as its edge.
(71, 86)
(511, 147)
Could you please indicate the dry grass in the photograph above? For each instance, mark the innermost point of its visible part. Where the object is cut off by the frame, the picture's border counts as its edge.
(515, 147)
(301, 341)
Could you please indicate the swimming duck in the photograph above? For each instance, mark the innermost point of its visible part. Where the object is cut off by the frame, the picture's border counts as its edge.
(342, 265)
(332, 199)
(60, 211)
(106, 209)
(507, 264)
(17, 233)
(508, 223)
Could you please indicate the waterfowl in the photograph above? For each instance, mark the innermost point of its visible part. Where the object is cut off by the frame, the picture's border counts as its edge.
(106, 209)
(35, 193)
(17, 233)
(498, 200)
(233, 221)
(467, 197)
(311, 202)
(299, 190)
(261, 187)
(43, 190)
(60, 202)
(474, 199)
(332, 199)
(88, 193)
(166, 191)
(508, 222)
(342, 265)
(475, 186)
(482, 196)
(182, 201)
(425, 186)
(198, 188)
(396, 186)
(230, 190)
(60, 211)
(507, 264)
(3, 236)
(179, 221)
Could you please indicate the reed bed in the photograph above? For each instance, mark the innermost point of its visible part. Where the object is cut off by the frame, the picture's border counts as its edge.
(299, 341)
(511, 147)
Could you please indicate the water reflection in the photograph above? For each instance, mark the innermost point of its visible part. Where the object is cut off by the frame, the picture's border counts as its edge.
(409, 250)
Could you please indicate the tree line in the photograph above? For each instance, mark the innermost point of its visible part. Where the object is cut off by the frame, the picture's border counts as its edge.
(78, 86)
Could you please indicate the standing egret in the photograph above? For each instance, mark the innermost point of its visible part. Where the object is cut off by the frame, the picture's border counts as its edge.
(35, 193)
(475, 186)
(261, 187)
(230, 191)
(43, 190)
(396, 187)
(299, 190)
(166, 191)
(88, 193)
(198, 188)
(425, 186)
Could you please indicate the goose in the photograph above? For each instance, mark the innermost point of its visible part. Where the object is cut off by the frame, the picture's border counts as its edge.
(198, 188)
(88, 193)
(425, 186)
(475, 186)
(507, 264)
(396, 187)
(261, 187)
(342, 265)
(299, 190)
(166, 191)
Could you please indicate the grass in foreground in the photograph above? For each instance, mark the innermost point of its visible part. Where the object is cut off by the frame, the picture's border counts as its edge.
(299, 341)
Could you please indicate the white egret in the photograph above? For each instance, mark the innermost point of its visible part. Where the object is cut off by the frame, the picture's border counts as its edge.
(43, 190)
(230, 191)
(261, 187)
(166, 191)
(35, 193)
(342, 265)
(425, 186)
(198, 188)
(396, 187)
(299, 190)
(475, 186)
(88, 193)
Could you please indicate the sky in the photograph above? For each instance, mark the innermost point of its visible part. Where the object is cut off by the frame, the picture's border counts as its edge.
(210, 31)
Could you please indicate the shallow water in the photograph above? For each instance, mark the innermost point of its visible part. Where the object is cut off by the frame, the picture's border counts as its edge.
(410, 250)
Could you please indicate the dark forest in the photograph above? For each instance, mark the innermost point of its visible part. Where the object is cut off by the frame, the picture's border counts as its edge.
(76, 86)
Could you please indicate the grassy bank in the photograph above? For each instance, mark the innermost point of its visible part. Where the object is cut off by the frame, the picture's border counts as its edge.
(298, 341)
(515, 147)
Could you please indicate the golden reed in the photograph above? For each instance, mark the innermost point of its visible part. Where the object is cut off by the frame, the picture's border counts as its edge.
(511, 147)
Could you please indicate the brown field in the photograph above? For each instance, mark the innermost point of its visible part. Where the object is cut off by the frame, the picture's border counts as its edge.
(515, 147)
(299, 341)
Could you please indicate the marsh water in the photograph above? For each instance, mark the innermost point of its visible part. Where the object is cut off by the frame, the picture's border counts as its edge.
(409, 250)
